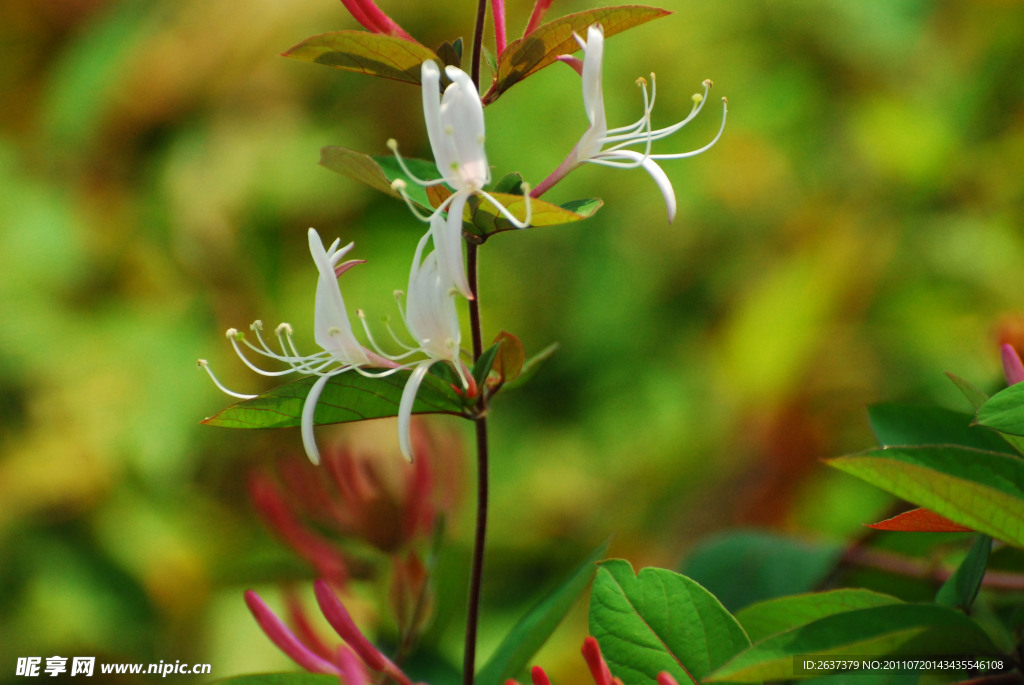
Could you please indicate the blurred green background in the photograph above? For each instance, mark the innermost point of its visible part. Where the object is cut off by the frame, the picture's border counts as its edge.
(856, 233)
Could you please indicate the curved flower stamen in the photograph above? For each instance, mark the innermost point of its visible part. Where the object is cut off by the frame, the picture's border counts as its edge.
(205, 366)
(409, 350)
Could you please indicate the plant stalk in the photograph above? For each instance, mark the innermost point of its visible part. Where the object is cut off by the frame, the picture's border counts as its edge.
(480, 536)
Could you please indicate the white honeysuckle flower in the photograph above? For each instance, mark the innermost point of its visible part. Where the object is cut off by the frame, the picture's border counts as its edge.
(431, 319)
(610, 147)
(340, 351)
(430, 313)
(455, 127)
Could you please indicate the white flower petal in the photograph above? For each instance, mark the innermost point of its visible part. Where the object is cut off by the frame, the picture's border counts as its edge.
(308, 409)
(593, 98)
(659, 176)
(462, 113)
(430, 312)
(430, 79)
(331, 328)
(447, 236)
(412, 386)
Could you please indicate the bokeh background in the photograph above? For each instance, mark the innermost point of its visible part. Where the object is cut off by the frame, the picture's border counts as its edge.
(855, 234)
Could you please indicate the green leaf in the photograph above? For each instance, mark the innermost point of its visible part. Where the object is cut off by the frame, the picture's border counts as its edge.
(659, 621)
(978, 489)
(482, 366)
(962, 587)
(978, 399)
(450, 53)
(781, 614)
(510, 183)
(280, 679)
(900, 424)
(346, 397)
(892, 630)
(378, 172)
(531, 631)
(534, 364)
(374, 54)
(1004, 411)
(743, 567)
(543, 46)
(974, 396)
(484, 219)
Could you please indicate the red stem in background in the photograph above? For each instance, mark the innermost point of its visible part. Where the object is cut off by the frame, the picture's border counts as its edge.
(498, 10)
(535, 17)
(374, 19)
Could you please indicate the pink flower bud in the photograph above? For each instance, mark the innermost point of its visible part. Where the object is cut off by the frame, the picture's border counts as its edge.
(285, 640)
(1012, 366)
(598, 667)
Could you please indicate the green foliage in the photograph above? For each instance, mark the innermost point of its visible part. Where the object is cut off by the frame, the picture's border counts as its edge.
(897, 424)
(537, 624)
(346, 397)
(482, 366)
(774, 616)
(890, 630)
(975, 488)
(373, 54)
(743, 567)
(379, 172)
(657, 621)
(974, 396)
(533, 364)
(1004, 411)
(962, 587)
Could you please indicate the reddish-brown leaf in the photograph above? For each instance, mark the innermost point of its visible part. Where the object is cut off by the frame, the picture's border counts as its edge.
(511, 357)
(542, 47)
(920, 521)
